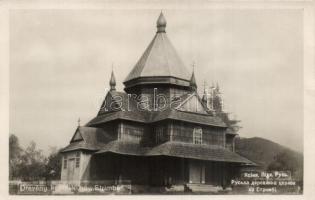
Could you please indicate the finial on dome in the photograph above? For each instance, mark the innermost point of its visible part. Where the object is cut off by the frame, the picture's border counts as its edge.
(161, 23)
(112, 82)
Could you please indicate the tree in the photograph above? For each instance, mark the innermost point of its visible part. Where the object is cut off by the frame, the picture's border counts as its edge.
(53, 166)
(30, 163)
(15, 154)
(288, 161)
(33, 163)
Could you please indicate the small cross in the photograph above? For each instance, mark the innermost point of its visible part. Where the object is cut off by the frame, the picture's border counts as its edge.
(79, 121)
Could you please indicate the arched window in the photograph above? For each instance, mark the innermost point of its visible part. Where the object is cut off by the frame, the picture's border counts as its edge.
(197, 135)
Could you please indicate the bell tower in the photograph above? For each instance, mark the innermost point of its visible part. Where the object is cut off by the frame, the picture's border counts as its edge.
(159, 70)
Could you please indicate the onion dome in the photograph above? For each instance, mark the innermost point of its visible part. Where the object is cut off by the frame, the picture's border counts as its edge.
(161, 23)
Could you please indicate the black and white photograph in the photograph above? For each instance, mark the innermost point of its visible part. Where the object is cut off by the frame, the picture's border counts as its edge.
(157, 100)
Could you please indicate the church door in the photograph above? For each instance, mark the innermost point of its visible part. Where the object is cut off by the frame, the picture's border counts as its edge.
(70, 170)
(196, 172)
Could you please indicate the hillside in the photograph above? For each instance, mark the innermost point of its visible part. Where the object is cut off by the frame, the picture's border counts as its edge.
(265, 152)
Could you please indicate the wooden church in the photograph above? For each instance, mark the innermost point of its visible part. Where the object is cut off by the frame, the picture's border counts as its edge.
(158, 132)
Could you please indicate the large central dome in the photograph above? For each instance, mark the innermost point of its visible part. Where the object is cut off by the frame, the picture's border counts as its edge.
(159, 60)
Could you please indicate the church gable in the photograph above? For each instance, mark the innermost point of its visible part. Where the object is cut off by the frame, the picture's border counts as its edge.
(192, 104)
(113, 102)
(89, 138)
(77, 136)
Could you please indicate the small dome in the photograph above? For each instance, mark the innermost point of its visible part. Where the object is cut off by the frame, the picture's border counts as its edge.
(161, 23)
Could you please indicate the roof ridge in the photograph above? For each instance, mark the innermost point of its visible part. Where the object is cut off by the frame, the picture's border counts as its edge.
(164, 47)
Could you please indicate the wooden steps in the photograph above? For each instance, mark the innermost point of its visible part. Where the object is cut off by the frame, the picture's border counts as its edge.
(198, 187)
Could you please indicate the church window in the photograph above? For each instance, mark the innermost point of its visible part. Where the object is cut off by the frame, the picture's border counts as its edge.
(132, 133)
(65, 162)
(77, 159)
(136, 134)
(197, 136)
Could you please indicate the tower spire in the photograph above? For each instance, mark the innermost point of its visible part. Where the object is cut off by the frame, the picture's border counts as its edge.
(193, 83)
(161, 23)
(112, 82)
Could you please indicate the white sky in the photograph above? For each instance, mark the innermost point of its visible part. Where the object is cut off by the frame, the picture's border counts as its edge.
(60, 63)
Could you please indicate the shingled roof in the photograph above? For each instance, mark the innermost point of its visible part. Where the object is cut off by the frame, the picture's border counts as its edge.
(175, 149)
(124, 147)
(96, 139)
(91, 139)
(160, 58)
(155, 116)
(129, 111)
(202, 152)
